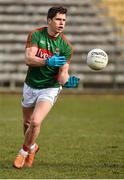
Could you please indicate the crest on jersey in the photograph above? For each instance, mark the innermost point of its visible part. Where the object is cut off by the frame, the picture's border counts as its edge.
(57, 51)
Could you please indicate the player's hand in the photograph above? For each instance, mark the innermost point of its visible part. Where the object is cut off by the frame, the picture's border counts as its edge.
(56, 61)
(72, 82)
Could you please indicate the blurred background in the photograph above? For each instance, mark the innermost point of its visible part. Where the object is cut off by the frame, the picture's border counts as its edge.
(83, 136)
(90, 24)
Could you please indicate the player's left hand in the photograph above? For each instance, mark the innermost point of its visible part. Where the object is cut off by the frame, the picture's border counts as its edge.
(72, 82)
(56, 61)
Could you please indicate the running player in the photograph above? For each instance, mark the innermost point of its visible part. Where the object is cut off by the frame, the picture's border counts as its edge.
(48, 54)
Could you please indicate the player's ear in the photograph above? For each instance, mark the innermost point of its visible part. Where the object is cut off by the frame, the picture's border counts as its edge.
(49, 21)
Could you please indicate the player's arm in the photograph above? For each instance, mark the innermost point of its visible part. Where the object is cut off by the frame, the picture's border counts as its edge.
(65, 80)
(63, 74)
(31, 59)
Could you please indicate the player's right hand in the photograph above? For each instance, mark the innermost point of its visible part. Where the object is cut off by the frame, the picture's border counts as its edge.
(56, 61)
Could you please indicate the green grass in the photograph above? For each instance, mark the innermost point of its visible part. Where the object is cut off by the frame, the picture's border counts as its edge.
(82, 137)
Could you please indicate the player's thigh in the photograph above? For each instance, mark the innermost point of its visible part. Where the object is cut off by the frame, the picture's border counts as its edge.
(41, 110)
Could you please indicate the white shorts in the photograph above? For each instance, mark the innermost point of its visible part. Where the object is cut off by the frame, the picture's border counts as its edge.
(32, 96)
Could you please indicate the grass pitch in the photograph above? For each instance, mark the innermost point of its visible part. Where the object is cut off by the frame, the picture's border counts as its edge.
(82, 137)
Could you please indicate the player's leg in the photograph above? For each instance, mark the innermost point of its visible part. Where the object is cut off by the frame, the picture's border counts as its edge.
(25, 157)
(22, 155)
(46, 98)
(28, 103)
(40, 112)
(27, 114)
(27, 110)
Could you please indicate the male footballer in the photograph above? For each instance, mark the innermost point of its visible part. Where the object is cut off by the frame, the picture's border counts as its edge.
(48, 54)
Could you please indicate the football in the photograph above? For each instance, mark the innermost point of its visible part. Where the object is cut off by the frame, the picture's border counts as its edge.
(97, 59)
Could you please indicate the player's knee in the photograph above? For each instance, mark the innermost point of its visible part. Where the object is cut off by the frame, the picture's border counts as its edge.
(35, 123)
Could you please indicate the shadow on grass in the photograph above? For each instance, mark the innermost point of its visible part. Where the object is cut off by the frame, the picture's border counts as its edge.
(72, 165)
(61, 170)
(9, 164)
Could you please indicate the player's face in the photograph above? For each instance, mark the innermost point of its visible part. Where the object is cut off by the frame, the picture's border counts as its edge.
(57, 24)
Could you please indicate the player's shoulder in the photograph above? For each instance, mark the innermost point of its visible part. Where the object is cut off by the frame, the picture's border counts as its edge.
(37, 30)
(66, 40)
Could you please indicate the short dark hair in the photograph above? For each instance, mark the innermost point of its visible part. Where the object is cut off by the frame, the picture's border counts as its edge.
(54, 10)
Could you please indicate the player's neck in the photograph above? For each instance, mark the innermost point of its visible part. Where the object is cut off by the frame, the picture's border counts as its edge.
(52, 33)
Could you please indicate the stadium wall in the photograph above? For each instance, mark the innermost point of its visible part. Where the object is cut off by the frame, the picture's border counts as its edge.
(86, 28)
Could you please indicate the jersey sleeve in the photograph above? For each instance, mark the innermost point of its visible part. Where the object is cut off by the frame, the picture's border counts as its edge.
(68, 49)
(32, 40)
(69, 53)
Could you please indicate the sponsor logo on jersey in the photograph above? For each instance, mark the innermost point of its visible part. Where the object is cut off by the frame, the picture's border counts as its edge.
(44, 53)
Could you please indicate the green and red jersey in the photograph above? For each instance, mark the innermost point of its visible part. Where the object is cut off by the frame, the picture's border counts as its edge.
(46, 76)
